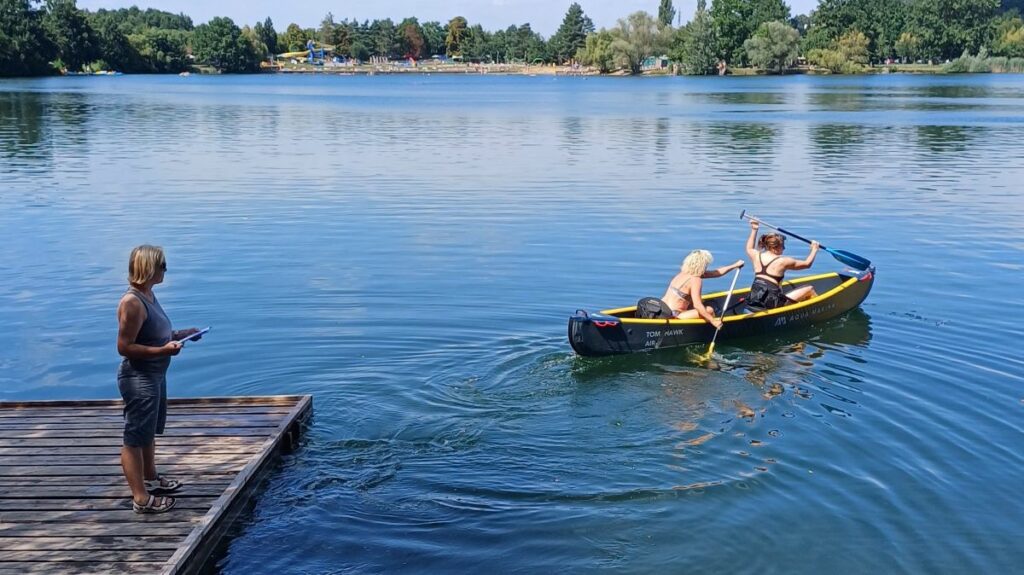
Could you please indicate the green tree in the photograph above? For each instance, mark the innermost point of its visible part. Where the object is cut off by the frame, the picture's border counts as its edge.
(908, 47)
(294, 39)
(736, 20)
(597, 51)
(410, 35)
(948, 28)
(434, 35)
(69, 30)
(853, 46)
(114, 47)
(266, 33)
(220, 44)
(160, 50)
(1009, 37)
(881, 21)
(694, 45)
(385, 40)
(571, 35)
(637, 37)
(456, 36)
(666, 12)
(327, 26)
(25, 49)
(774, 46)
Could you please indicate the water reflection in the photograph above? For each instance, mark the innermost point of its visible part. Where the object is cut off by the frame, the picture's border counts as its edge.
(746, 99)
(21, 123)
(840, 101)
(945, 139)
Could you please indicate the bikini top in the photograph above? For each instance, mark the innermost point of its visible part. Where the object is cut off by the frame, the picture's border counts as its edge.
(683, 295)
(764, 269)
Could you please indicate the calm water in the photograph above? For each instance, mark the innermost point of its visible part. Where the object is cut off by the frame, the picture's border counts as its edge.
(408, 249)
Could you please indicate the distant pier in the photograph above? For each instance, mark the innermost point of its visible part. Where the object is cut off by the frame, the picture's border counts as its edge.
(64, 503)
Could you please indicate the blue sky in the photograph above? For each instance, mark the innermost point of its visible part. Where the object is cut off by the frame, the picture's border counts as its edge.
(543, 15)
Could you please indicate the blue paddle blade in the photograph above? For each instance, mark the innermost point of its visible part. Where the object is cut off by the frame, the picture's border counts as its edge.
(852, 260)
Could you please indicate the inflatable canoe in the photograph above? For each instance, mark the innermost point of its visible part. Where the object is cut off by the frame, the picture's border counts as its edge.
(617, 331)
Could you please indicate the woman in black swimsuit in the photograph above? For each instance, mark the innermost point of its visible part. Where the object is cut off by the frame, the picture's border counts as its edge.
(770, 267)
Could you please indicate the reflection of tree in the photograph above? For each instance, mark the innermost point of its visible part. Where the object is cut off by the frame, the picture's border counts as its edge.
(72, 110)
(834, 141)
(745, 98)
(572, 132)
(839, 101)
(661, 144)
(944, 139)
(742, 136)
(22, 117)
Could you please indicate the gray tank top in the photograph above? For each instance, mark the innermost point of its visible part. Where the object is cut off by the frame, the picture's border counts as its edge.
(155, 332)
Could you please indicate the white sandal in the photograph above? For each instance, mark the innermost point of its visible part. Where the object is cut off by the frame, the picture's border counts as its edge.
(165, 504)
(162, 485)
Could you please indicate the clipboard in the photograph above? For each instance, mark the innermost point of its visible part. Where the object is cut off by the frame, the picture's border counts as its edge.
(194, 336)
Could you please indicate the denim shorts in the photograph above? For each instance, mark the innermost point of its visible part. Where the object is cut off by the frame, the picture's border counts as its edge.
(145, 403)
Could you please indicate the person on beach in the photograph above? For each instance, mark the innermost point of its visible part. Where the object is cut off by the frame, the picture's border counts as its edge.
(146, 342)
(683, 295)
(770, 267)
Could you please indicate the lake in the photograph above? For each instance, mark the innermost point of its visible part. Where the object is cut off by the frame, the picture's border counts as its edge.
(408, 249)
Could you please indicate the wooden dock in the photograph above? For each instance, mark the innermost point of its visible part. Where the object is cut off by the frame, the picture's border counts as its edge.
(64, 503)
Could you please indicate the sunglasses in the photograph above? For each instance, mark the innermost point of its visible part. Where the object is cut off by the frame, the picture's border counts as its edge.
(163, 266)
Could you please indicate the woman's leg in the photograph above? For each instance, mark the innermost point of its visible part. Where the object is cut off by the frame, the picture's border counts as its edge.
(132, 464)
(149, 461)
(692, 313)
(800, 294)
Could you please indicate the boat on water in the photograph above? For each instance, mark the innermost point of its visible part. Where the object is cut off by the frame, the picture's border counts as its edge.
(619, 331)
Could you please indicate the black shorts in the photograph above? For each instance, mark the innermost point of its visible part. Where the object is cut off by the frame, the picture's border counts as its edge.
(145, 404)
(765, 294)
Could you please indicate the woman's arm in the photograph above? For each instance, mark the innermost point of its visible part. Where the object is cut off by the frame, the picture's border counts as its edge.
(130, 316)
(698, 304)
(806, 262)
(752, 239)
(723, 270)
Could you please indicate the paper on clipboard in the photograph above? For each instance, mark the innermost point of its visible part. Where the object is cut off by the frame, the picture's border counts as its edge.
(194, 336)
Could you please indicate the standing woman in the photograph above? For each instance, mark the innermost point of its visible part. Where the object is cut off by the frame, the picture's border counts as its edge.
(770, 268)
(146, 341)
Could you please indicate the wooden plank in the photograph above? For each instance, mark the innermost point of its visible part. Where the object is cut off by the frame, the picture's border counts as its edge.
(30, 491)
(87, 529)
(98, 459)
(100, 480)
(57, 558)
(119, 419)
(201, 542)
(30, 568)
(118, 424)
(85, 543)
(117, 433)
(277, 400)
(62, 451)
(57, 470)
(117, 441)
(118, 412)
(118, 516)
(119, 502)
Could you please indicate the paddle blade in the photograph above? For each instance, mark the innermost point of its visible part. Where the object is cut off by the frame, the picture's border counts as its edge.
(852, 260)
(711, 350)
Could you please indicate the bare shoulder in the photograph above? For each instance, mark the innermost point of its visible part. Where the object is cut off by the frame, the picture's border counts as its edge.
(130, 305)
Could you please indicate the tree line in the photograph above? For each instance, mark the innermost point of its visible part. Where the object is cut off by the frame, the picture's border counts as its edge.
(38, 38)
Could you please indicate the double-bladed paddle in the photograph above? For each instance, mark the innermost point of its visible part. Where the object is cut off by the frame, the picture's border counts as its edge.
(850, 259)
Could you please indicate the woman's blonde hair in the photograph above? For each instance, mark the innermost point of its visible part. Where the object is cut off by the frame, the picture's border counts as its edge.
(144, 263)
(697, 262)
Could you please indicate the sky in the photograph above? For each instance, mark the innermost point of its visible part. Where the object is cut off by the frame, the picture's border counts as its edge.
(544, 16)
